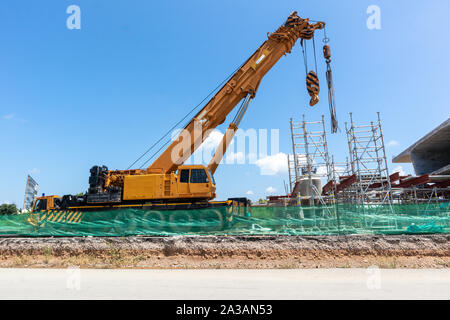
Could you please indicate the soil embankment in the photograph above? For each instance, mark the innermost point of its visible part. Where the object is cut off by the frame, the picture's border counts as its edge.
(206, 252)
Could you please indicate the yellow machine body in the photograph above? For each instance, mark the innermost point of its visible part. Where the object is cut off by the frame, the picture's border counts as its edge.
(189, 182)
(44, 203)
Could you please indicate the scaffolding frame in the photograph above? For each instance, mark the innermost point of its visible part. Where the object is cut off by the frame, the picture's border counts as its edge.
(339, 170)
(310, 157)
(363, 178)
(369, 163)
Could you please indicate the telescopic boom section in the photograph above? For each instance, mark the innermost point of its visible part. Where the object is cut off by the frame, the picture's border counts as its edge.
(228, 136)
(243, 82)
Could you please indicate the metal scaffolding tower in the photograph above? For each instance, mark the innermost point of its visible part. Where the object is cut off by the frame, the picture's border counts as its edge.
(368, 163)
(339, 169)
(310, 160)
(292, 171)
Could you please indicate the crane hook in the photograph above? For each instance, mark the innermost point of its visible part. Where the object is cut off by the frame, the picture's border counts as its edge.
(312, 85)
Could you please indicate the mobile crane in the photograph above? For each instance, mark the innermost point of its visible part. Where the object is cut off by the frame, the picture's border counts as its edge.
(167, 183)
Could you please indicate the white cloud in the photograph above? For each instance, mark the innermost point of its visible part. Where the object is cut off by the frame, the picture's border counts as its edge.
(273, 165)
(400, 170)
(271, 190)
(250, 192)
(8, 116)
(206, 151)
(213, 140)
(393, 143)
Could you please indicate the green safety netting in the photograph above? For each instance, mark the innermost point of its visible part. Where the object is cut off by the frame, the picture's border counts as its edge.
(317, 220)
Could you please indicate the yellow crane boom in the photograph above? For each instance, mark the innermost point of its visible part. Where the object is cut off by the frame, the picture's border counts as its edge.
(244, 82)
(169, 183)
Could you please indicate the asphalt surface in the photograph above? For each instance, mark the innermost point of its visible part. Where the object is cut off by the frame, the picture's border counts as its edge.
(372, 283)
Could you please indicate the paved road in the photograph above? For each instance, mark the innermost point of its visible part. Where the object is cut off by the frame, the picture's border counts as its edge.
(224, 284)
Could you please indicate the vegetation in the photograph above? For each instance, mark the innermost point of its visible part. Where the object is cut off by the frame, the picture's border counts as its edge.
(8, 209)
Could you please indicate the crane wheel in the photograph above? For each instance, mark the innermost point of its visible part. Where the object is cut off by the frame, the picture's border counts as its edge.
(180, 221)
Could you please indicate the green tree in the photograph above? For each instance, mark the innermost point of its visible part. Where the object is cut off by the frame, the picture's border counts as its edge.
(8, 209)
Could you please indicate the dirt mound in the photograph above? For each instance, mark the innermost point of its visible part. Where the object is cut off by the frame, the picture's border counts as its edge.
(424, 251)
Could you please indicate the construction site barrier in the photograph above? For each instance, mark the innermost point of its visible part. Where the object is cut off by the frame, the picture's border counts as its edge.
(315, 220)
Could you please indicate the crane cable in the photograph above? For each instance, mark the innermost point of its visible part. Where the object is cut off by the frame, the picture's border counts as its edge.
(314, 48)
(154, 154)
(329, 76)
(175, 125)
(305, 56)
(312, 80)
(313, 88)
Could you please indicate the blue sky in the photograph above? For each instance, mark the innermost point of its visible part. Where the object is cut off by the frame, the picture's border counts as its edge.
(70, 99)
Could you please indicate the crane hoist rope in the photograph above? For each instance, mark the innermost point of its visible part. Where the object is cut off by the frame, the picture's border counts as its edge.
(176, 124)
(244, 80)
(314, 49)
(155, 153)
(312, 80)
(329, 76)
(236, 121)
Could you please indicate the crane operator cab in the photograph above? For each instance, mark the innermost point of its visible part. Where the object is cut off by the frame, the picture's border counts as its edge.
(196, 181)
(46, 203)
